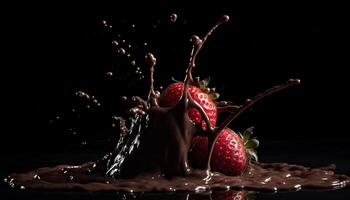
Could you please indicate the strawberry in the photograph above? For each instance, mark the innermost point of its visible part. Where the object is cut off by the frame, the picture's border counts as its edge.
(232, 152)
(172, 94)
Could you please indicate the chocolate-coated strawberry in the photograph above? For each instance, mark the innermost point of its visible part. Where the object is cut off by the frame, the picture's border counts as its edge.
(231, 153)
(172, 94)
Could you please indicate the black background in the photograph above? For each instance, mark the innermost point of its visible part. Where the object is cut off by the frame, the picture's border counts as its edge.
(52, 51)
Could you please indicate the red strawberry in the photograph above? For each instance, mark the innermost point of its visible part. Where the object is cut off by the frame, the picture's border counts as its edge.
(172, 94)
(231, 151)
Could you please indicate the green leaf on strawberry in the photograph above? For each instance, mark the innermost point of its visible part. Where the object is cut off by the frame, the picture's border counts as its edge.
(250, 143)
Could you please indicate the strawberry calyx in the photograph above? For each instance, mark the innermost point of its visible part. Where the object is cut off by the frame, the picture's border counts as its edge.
(251, 143)
(203, 85)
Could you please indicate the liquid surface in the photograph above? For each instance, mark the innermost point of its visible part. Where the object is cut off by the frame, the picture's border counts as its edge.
(259, 176)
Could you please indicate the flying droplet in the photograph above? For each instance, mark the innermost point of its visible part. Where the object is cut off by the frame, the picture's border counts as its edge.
(121, 51)
(133, 63)
(114, 42)
(109, 74)
(173, 18)
(82, 94)
(124, 98)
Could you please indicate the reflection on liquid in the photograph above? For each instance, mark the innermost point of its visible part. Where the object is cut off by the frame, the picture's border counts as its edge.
(214, 195)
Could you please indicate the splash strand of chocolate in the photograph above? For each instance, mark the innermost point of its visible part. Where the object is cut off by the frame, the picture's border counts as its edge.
(152, 94)
(197, 46)
(248, 103)
(230, 108)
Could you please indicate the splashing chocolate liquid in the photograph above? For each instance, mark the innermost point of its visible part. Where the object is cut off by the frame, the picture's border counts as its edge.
(152, 153)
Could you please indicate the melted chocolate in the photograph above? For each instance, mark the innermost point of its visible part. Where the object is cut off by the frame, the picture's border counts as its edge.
(152, 153)
(259, 176)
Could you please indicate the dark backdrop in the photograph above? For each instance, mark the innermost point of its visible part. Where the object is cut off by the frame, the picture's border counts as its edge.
(55, 51)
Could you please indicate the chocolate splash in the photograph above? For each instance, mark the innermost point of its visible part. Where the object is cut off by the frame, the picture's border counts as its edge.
(164, 141)
(151, 154)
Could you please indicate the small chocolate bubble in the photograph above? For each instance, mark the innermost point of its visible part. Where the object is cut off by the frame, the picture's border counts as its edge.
(124, 98)
(109, 74)
(173, 18)
(114, 42)
(121, 51)
(225, 18)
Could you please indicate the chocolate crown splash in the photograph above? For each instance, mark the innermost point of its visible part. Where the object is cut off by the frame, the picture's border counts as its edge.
(159, 138)
(151, 154)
